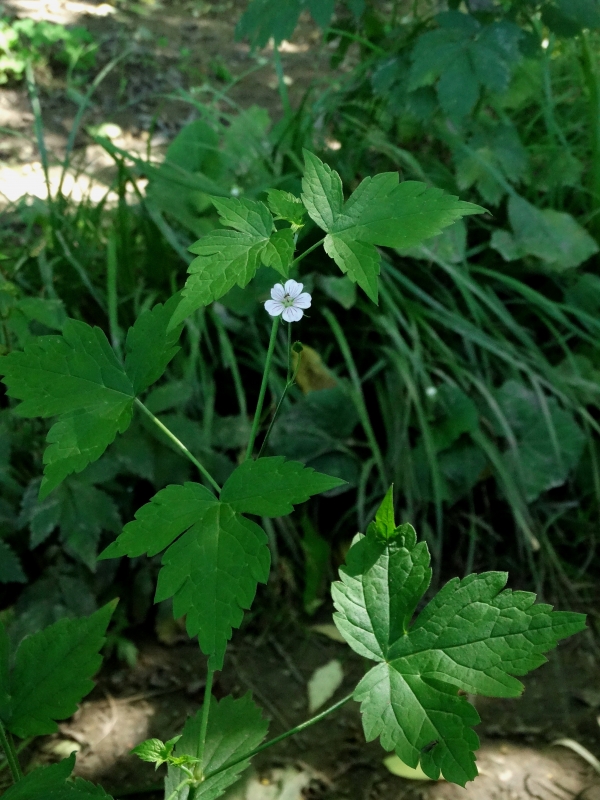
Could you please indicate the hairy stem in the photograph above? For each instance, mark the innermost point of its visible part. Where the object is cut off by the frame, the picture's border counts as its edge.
(180, 445)
(11, 754)
(282, 736)
(263, 387)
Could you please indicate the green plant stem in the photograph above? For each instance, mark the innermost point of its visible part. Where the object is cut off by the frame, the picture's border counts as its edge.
(112, 294)
(205, 712)
(38, 125)
(19, 748)
(592, 81)
(263, 387)
(283, 92)
(282, 736)
(306, 253)
(358, 39)
(291, 380)
(178, 444)
(11, 754)
(178, 788)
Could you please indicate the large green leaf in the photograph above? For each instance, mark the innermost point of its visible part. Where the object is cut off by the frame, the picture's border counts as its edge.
(227, 258)
(151, 345)
(52, 783)
(80, 511)
(270, 487)
(52, 672)
(78, 378)
(235, 727)
(211, 570)
(555, 237)
(381, 211)
(549, 443)
(264, 19)
(473, 636)
(465, 56)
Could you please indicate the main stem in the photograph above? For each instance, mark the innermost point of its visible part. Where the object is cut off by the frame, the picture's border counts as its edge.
(11, 755)
(282, 736)
(263, 388)
(180, 445)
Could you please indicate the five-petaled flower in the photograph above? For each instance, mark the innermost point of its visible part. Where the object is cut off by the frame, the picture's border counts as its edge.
(288, 300)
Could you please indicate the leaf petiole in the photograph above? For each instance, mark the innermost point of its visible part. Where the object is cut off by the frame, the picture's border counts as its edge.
(306, 253)
(204, 720)
(263, 388)
(297, 729)
(180, 445)
(11, 754)
(175, 793)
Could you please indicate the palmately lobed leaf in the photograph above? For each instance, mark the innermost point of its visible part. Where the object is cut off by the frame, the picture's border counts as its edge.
(53, 783)
(381, 212)
(52, 672)
(474, 636)
(270, 487)
(214, 560)
(227, 258)
(78, 378)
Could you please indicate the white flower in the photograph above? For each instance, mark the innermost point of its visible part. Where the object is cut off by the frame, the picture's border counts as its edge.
(288, 300)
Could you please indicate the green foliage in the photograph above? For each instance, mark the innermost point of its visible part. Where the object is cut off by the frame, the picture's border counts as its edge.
(69, 652)
(24, 40)
(52, 783)
(156, 751)
(466, 57)
(79, 378)
(230, 257)
(11, 570)
(270, 487)
(264, 19)
(473, 636)
(380, 211)
(235, 728)
(211, 571)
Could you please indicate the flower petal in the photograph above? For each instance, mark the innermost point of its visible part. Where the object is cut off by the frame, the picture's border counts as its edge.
(293, 288)
(292, 314)
(303, 300)
(274, 307)
(278, 292)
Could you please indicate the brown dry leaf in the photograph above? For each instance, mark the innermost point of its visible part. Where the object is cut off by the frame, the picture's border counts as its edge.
(312, 374)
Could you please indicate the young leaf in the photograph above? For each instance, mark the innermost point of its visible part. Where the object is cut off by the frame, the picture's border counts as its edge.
(52, 672)
(270, 487)
(230, 257)
(380, 212)
(151, 344)
(78, 378)
(155, 751)
(235, 727)
(211, 571)
(287, 206)
(473, 636)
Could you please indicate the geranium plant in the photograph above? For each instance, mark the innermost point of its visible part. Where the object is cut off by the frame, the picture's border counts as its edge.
(473, 636)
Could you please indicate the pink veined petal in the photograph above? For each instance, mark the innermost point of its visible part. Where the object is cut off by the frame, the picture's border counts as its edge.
(292, 314)
(278, 292)
(293, 288)
(303, 300)
(274, 307)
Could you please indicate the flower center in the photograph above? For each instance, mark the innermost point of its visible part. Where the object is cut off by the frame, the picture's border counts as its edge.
(288, 301)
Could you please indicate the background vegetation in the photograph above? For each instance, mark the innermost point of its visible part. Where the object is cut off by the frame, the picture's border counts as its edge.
(473, 386)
